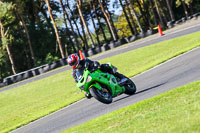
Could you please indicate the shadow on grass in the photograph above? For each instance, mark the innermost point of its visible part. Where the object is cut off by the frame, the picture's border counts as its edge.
(142, 91)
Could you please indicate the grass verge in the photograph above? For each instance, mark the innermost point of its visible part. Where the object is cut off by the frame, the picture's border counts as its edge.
(176, 111)
(29, 102)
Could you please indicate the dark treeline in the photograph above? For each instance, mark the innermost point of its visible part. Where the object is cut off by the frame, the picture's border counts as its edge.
(37, 32)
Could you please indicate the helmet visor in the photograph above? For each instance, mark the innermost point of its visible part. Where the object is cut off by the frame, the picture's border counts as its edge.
(73, 63)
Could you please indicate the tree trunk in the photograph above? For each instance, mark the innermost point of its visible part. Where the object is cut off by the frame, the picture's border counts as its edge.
(29, 40)
(95, 29)
(144, 14)
(159, 14)
(164, 13)
(153, 12)
(171, 13)
(112, 23)
(75, 23)
(191, 9)
(131, 16)
(28, 61)
(79, 34)
(108, 28)
(185, 8)
(97, 17)
(107, 20)
(126, 16)
(84, 36)
(72, 28)
(56, 30)
(11, 59)
(3, 35)
(136, 17)
(46, 17)
(84, 23)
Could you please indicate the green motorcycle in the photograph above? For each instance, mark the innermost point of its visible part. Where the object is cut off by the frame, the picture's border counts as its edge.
(104, 86)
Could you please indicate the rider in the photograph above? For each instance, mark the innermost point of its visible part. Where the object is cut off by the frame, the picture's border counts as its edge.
(77, 64)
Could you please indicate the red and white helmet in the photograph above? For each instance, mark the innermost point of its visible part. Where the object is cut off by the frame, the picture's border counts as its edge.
(73, 60)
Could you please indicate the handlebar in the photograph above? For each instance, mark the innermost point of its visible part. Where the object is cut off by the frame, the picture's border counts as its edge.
(94, 69)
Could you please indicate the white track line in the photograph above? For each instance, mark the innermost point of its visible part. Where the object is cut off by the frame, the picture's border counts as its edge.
(131, 78)
(166, 34)
(48, 115)
(173, 58)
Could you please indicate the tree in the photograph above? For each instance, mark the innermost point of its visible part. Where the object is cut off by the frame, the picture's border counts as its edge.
(74, 19)
(19, 11)
(48, 20)
(110, 17)
(170, 10)
(85, 47)
(145, 13)
(29, 40)
(131, 16)
(4, 12)
(56, 29)
(126, 16)
(153, 12)
(94, 25)
(72, 28)
(159, 14)
(79, 3)
(97, 17)
(179, 2)
(107, 20)
(136, 17)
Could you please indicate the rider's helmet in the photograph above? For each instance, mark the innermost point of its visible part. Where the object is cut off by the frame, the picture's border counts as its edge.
(73, 60)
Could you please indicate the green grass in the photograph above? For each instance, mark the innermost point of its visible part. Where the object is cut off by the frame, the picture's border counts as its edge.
(29, 102)
(176, 111)
(26, 103)
(137, 61)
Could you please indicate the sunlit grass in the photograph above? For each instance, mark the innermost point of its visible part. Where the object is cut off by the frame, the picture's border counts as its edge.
(176, 111)
(29, 102)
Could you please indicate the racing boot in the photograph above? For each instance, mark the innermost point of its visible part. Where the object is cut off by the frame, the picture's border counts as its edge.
(121, 79)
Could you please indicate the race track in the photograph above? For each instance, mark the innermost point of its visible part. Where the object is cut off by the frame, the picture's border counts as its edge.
(174, 73)
(180, 30)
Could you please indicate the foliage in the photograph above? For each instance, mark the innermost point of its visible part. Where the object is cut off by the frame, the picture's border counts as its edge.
(122, 26)
(41, 32)
(5, 7)
(188, 2)
(49, 58)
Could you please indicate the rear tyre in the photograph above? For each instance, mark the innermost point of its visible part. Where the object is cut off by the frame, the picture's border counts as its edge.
(100, 95)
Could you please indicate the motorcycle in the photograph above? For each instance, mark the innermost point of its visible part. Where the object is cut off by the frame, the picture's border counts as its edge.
(104, 86)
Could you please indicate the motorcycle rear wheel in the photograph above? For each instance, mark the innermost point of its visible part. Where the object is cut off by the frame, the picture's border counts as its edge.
(101, 95)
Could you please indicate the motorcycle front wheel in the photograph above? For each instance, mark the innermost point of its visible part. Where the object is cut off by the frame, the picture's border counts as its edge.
(101, 95)
(130, 87)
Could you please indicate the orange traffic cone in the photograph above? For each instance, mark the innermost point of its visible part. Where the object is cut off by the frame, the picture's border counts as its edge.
(160, 30)
(81, 55)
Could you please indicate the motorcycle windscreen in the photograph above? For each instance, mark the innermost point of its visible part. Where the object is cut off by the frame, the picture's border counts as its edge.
(79, 74)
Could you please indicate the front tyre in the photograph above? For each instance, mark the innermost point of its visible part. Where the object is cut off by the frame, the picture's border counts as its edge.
(101, 95)
(130, 87)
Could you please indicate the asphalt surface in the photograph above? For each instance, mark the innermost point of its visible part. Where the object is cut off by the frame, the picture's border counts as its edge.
(180, 30)
(176, 72)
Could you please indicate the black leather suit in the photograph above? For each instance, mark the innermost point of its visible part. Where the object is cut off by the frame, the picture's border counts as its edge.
(103, 67)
